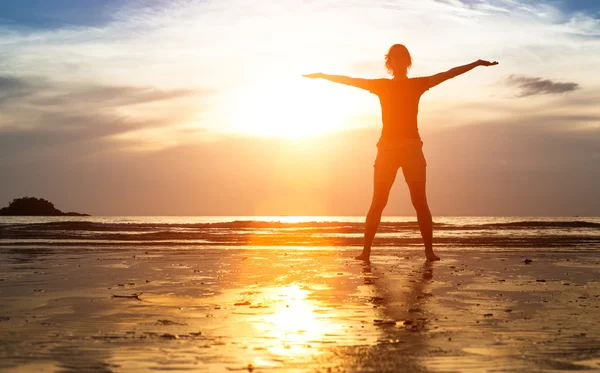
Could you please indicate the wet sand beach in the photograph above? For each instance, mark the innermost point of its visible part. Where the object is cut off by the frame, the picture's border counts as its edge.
(297, 309)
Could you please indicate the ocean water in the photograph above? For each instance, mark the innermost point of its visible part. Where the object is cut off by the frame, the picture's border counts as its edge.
(343, 232)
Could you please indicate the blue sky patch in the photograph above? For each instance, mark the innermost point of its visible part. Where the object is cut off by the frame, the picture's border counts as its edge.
(42, 14)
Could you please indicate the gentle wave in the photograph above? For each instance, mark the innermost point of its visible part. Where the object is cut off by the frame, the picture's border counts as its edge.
(258, 224)
(548, 233)
(544, 224)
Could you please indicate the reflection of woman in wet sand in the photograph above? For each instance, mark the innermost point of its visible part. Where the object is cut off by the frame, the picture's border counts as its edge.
(400, 144)
(408, 307)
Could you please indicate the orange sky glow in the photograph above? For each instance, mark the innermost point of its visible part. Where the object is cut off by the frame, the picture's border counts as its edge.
(200, 108)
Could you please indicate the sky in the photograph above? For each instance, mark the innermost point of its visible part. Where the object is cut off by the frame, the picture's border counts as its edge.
(198, 107)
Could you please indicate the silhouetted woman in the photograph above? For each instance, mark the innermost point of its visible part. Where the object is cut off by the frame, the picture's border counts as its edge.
(400, 144)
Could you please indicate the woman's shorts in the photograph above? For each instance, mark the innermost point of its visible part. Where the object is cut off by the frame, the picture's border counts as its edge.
(408, 154)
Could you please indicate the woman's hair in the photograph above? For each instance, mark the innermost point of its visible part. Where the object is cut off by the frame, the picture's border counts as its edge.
(400, 53)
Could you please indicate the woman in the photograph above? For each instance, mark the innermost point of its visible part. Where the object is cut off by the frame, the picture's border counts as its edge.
(400, 144)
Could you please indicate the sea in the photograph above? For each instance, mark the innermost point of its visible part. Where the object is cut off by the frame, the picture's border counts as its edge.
(305, 232)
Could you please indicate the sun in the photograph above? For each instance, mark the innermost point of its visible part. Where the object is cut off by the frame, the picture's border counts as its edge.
(292, 109)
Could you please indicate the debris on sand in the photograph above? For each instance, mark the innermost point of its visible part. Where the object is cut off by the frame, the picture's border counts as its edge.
(424, 295)
(246, 303)
(384, 322)
(169, 336)
(132, 296)
(488, 315)
(168, 322)
(527, 261)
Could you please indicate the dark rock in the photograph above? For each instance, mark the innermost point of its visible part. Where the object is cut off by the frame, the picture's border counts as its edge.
(31, 206)
(527, 261)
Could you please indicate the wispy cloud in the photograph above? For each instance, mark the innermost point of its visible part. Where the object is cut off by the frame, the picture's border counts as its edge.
(530, 86)
(43, 92)
(39, 113)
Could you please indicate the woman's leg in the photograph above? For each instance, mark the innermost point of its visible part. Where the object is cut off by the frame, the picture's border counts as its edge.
(382, 184)
(418, 197)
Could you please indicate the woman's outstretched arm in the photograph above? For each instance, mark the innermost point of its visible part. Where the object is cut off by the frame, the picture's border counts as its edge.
(354, 82)
(442, 77)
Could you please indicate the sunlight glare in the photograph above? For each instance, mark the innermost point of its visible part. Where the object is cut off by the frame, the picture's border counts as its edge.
(295, 323)
(295, 109)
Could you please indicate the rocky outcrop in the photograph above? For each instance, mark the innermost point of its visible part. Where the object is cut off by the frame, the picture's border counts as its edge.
(31, 206)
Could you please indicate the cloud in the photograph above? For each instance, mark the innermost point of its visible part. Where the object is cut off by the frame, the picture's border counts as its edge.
(41, 116)
(42, 92)
(530, 86)
(11, 83)
(12, 87)
(59, 133)
(113, 95)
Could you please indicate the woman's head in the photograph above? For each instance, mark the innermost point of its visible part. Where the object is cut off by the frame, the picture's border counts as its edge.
(398, 60)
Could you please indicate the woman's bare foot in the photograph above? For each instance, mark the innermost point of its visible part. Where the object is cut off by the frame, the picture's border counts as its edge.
(431, 257)
(363, 256)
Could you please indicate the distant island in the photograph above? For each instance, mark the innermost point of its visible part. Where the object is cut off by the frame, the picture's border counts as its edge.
(31, 206)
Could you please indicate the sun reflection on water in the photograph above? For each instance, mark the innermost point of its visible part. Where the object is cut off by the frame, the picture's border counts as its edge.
(296, 323)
